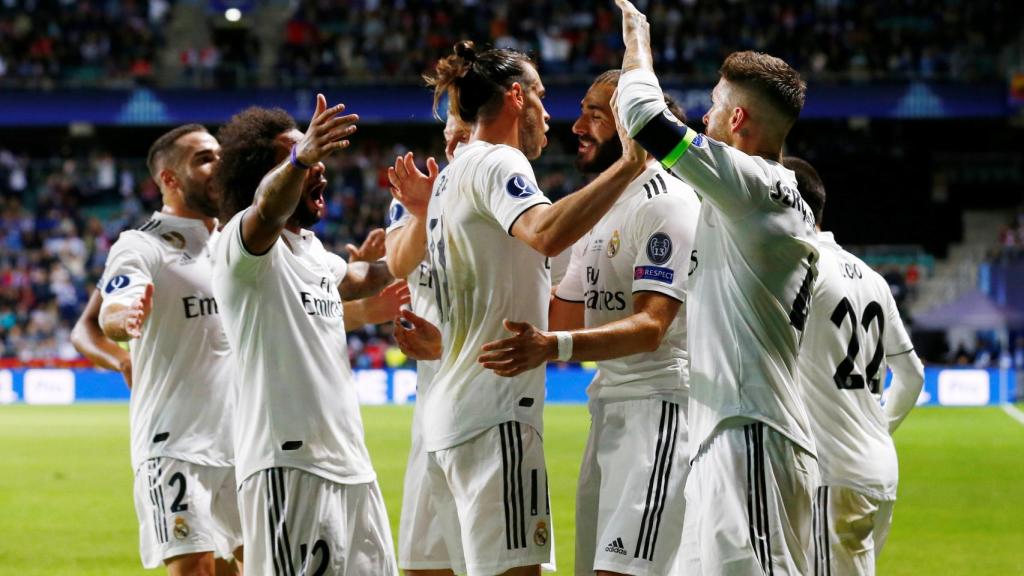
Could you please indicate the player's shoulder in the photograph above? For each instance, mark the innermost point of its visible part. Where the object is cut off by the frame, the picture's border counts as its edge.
(662, 194)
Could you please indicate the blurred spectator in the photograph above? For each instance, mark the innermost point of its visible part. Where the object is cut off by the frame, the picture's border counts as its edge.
(92, 42)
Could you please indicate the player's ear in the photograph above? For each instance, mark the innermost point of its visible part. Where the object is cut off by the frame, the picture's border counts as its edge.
(168, 179)
(517, 95)
(738, 118)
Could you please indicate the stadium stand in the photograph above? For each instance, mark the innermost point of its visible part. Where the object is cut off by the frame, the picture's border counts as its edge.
(44, 43)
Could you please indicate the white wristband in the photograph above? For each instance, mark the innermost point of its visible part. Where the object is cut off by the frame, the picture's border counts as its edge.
(564, 346)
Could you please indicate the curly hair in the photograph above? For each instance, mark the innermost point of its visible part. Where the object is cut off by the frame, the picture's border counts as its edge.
(248, 153)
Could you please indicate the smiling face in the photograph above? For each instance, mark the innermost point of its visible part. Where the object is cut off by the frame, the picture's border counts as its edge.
(533, 120)
(599, 144)
(312, 206)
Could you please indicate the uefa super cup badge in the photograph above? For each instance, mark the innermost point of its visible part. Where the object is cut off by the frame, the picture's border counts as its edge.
(181, 529)
(540, 534)
(613, 244)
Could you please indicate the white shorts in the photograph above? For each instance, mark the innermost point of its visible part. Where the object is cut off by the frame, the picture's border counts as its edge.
(850, 529)
(748, 505)
(185, 508)
(421, 542)
(630, 501)
(497, 484)
(299, 523)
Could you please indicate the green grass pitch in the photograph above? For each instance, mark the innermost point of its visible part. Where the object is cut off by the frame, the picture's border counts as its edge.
(66, 505)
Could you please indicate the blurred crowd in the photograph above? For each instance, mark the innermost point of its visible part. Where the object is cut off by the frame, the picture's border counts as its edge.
(59, 218)
(1011, 239)
(92, 42)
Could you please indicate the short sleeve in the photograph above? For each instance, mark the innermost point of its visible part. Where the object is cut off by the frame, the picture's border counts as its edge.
(398, 216)
(337, 265)
(131, 265)
(506, 187)
(664, 232)
(240, 262)
(570, 288)
(896, 339)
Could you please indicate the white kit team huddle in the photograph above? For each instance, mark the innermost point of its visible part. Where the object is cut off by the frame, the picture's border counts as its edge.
(737, 418)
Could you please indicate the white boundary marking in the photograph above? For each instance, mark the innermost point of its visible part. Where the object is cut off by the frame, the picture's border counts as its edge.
(1014, 412)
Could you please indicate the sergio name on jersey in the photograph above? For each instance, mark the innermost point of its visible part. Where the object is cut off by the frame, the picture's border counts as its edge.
(754, 270)
(182, 398)
(853, 326)
(642, 244)
(297, 403)
(482, 275)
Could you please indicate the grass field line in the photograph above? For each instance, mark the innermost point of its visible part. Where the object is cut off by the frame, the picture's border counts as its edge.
(1014, 412)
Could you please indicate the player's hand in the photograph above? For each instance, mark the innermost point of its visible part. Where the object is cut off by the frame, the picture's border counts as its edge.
(371, 250)
(418, 339)
(632, 152)
(125, 368)
(526, 350)
(135, 317)
(636, 35)
(410, 186)
(387, 305)
(327, 132)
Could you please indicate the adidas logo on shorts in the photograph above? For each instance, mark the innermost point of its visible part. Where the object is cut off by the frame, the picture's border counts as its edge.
(616, 546)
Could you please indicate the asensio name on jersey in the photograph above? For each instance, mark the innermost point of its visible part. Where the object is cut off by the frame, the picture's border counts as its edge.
(482, 275)
(754, 268)
(179, 409)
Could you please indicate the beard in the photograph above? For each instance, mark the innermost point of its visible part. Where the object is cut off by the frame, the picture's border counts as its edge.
(531, 136)
(605, 154)
(303, 216)
(197, 199)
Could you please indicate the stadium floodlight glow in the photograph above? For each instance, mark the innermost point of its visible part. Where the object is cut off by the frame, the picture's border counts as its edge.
(233, 14)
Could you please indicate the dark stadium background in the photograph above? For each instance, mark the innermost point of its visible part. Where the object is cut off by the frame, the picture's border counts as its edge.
(914, 120)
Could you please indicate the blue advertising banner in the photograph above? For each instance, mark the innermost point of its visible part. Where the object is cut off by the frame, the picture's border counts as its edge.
(411, 104)
(942, 387)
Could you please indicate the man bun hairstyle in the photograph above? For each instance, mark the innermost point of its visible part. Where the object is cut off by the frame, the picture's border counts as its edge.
(768, 77)
(812, 189)
(165, 151)
(475, 81)
(249, 152)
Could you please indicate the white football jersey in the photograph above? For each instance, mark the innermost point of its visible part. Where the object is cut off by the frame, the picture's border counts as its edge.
(297, 403)
(481, 276)
(754, 268)
(182, 398)
(421, 292)
(642, 244)
(852, 327)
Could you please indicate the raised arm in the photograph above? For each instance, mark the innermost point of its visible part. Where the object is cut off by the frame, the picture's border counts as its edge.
(87, 337)
(281, 188)
(407, 234)
(550, 229)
